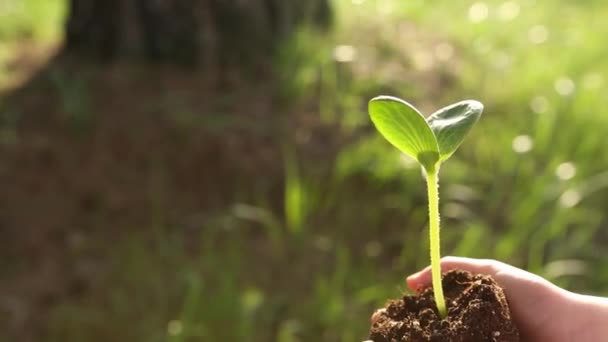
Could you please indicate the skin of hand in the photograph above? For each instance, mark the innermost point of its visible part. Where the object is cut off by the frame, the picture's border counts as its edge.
(541, 310)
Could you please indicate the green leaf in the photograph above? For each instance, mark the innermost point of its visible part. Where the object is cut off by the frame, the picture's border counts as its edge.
(404, 127)
(452, 123)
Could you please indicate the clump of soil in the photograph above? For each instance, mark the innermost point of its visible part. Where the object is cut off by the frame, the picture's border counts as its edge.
(477, 311)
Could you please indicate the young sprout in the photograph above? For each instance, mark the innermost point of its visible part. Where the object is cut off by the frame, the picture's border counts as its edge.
(430, 141)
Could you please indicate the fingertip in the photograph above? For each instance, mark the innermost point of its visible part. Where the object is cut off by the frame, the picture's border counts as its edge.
(418, 280)
(411, 283)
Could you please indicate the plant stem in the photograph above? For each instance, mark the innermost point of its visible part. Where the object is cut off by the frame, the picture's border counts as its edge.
(432, 182)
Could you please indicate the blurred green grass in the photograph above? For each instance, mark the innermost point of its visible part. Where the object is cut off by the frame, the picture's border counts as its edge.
(27, 24)
(33, 19)
(529, 187)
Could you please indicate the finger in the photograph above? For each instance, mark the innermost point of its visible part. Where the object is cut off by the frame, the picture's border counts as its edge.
(423, 278)
(419, 279)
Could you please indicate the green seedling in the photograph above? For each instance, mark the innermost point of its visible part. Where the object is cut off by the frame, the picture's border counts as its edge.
(431, 142)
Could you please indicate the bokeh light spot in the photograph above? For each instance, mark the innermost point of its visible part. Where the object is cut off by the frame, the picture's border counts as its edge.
(538, 34)
(564, 86)
(593, 80)
(175, 327)
(539, 104)
(508, 10)
(522, 144)
(423, 60)
(345, 53)
(565, 171)
(478, 12)
(501, 60)
(570, 198)
(444, 51)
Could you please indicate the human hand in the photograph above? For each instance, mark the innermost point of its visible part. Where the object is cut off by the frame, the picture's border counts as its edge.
(541, 310)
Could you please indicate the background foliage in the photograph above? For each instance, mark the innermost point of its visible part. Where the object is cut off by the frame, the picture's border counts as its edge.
(306, 249)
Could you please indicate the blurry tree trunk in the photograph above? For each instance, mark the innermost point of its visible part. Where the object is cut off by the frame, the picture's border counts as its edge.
(192, 32)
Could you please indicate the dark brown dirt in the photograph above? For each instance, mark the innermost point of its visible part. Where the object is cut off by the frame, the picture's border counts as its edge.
(477, 311)
(90, 154)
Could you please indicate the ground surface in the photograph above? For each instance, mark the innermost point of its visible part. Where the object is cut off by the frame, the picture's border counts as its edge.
(89, 163)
